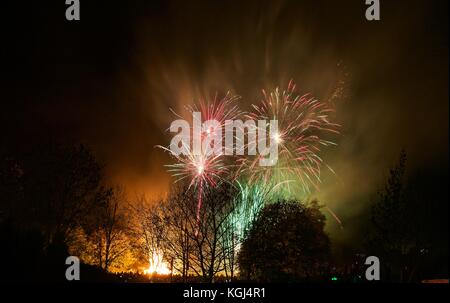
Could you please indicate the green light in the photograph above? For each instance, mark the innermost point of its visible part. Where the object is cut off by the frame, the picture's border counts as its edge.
(334, 278)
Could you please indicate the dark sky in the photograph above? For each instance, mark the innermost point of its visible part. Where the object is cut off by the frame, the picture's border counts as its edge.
(108, 80)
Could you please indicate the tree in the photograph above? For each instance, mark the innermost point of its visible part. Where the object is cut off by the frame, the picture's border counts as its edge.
(286, 243)
(212, 231)
(389, 237)
(177, 216)
(148, 231)
(197, 239)
(46, 192)
(248, 203)
(55, 188)
(105, 230)
(408, 219)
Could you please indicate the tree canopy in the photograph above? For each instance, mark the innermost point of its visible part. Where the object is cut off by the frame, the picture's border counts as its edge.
(287, 242)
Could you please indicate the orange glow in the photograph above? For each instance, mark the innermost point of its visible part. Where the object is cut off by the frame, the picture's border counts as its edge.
(157, 265)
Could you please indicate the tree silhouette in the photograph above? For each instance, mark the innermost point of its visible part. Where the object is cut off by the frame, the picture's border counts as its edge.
(104, 239)
(285, 243)
(149, 233)
(199, 245)
(46, 191)
(57, 186)
(390, 237)
(408, 218)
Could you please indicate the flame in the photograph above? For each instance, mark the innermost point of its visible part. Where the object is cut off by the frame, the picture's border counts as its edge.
(157, 265)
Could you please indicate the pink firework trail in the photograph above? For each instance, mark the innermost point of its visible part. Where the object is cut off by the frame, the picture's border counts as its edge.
(303, 124)
(203, 170)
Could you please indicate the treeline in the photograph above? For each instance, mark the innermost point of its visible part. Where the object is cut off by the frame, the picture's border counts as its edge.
(47, 194)
(55, 202)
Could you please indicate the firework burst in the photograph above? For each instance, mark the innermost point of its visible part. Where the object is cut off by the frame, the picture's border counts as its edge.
(303, 124)
(204, 169)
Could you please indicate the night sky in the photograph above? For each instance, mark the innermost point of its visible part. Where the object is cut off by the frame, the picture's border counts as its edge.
(109, 80)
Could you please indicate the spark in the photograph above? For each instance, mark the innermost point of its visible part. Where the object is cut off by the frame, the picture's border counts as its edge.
(304, 125)
(277, 138)
(205, 169)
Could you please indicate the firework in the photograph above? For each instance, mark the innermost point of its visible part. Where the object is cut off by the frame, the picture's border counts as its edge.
(303, 124)
(204, 169)
(249, 202)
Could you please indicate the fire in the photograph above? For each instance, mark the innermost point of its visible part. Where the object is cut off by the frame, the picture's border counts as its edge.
(157, 265)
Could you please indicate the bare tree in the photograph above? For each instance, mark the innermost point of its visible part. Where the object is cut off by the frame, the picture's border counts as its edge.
(209, 229)
(248, 202)
(201, 242)
(148, 230)
(230, 242)
(176, 214)
(107, 230)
